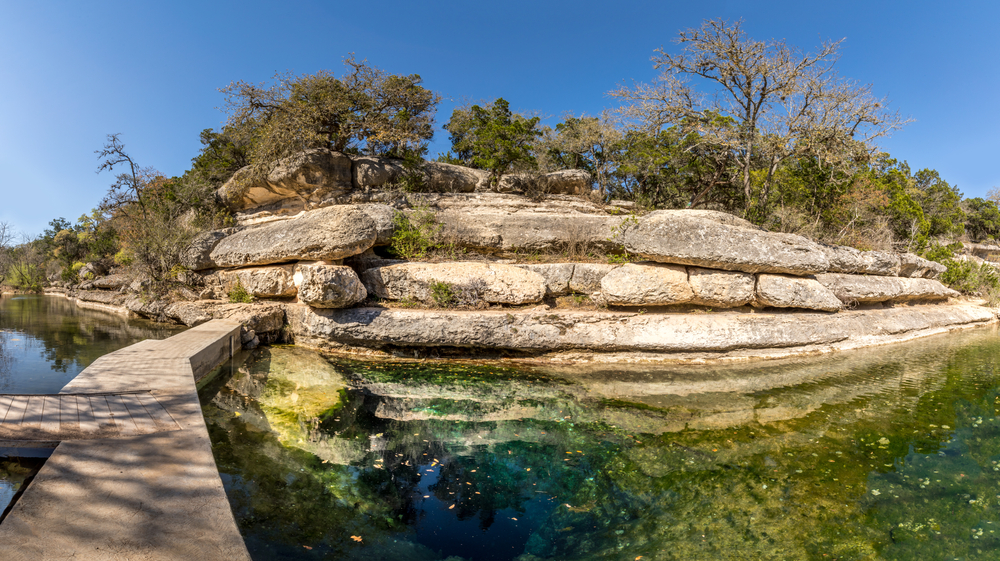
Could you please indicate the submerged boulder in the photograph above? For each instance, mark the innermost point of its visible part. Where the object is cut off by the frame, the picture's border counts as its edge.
(326, 234)
(681, 237)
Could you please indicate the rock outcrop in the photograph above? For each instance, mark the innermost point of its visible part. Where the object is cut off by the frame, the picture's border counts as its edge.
(683, 334)
(308, 179)
(670, 236)
(262, 282)
(326, 234)
(329, 286)
(785, 291)
(489, 282)
(720, 289)
(852, 289)
(646, 285)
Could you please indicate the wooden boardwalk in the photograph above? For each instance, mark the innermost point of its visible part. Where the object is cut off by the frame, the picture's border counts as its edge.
(82, 416)
(133, 475)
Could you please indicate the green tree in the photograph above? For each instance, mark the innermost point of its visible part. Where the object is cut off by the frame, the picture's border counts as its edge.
(493, 138)
(781, 104)
(366, 109)
(941, 204)
(982, 219)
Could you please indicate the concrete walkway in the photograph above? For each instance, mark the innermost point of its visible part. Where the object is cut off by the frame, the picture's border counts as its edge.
(133, 477)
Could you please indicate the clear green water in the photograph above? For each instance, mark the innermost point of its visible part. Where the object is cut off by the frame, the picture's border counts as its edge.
(883, 453)
(45, 341)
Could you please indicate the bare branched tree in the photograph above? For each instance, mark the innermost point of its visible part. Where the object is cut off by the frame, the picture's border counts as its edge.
(765, 102)
(6, 255)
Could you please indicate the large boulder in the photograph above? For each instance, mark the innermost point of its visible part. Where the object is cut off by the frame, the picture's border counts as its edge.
(636, 284)
(720, 289)
(384, 218)
(852, 289)
(262, 282)
(440, 177)
(112, 282)
(678, 236)
(197, 256)
(371, 172)
(313, 177)
(783, 291)
(329, 286)
(257, 317)
(849, 260)
(486, 282)
(566, 182)
(325, 234)
(911, 265)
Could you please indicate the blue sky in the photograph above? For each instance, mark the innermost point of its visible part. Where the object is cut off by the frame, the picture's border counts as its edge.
(72, 72)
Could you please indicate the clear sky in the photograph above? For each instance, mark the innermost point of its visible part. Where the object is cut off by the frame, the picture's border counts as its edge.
(72, 72)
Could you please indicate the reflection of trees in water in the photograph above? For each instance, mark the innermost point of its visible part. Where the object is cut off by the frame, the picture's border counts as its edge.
(5, 362)
(71, 337)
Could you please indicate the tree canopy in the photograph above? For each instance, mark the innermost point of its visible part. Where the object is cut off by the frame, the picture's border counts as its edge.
(775, 103)
(364, 110)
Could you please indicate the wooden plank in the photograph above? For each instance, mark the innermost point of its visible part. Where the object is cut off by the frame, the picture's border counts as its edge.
(33, 412)
(50, 413)
(122, 418)
(143, 422)
(156, 411)
(5, 401)
(85, 410)
(102, 415)
(69, 415)
(15, 413)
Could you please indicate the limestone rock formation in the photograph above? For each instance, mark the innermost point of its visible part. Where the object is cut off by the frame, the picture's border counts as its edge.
(258, 317)
(646, 285)
(784, 291)
(370, 172)
(111, 282)
(440, 177)
(325, 234)
(198, 255)
(262, 282)
(566, 278)
(864, 289)
(329, 286)
(720, 289)
(313, 177)
(383, 216)
(488, 282)
(913, 266)
(677, 236)
(563, 182)
(616, 331)
(849, 260)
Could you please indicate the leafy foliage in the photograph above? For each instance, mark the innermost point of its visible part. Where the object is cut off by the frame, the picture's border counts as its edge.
(364, 110)
(492, 138)
(413, 236)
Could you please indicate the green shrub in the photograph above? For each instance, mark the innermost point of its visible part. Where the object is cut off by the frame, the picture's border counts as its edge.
(238, 294)
(413, 236)
(442, 293)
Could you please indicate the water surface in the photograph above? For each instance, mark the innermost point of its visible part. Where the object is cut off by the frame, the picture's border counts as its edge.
(883, 453)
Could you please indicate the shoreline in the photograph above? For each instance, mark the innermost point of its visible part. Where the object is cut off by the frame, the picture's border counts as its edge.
(788, 332)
